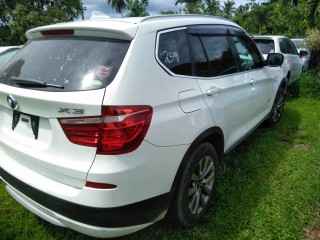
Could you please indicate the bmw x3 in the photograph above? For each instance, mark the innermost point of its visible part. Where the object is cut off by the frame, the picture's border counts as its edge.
(108, 126)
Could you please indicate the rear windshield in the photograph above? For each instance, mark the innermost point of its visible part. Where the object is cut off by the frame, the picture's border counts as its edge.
(72, 63)
(265, 46)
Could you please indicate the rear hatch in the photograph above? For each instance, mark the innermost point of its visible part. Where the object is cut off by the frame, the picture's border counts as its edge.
(57, 75)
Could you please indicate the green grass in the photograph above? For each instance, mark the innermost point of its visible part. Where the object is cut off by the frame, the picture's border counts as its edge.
(268, 186)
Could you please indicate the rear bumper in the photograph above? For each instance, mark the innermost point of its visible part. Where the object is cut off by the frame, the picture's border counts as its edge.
(99, 222)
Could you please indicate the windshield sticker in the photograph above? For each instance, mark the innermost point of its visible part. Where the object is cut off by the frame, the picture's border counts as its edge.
(96, 83)
(103, 72)
(170, 57)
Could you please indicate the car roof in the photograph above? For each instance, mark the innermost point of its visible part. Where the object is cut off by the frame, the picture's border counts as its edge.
(126, 28)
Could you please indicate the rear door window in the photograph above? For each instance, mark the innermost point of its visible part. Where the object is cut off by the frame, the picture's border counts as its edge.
(219, 54)
(212, 55)
(75, 63)
(200, 58)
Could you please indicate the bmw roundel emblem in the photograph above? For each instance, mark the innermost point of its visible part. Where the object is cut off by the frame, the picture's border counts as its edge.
(12, 102)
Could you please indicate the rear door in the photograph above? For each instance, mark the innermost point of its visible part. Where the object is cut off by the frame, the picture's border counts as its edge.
(291, 57)
(225, 90)
(296, 61)
(53, 78)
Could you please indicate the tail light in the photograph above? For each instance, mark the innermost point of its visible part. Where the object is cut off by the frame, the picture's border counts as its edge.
(119, 130)
(56, 32)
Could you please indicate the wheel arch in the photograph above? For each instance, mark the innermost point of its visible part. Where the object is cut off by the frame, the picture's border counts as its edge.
(288, 75)
(212, 135)
(284, 84)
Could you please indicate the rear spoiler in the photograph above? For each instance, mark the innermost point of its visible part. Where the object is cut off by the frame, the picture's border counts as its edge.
(107, 28)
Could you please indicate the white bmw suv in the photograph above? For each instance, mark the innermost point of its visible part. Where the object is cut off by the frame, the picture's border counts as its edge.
(108, 125)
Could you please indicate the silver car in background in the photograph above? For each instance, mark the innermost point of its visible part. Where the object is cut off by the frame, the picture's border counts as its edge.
(291, 66)
(303, 51)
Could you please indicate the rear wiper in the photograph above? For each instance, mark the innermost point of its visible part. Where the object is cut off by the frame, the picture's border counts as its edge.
(26, 82)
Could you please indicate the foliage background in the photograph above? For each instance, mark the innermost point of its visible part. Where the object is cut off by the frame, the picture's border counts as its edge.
(18, 16)
(292, 18)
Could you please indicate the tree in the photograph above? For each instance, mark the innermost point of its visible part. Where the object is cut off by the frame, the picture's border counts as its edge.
(183, 1)
(118, 5)
(313, 43)
(18, 16)
(313, 16)
(228, 8)
(298, 12)
(273, 17)
(137, 8)
(169, 12)
(262, 18)
(191, 6)
(211, 7)
(313, 37)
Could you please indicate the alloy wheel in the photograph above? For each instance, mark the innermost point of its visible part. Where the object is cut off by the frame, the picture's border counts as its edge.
(201, 185)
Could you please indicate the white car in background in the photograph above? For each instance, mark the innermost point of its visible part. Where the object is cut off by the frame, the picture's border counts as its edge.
(292, 66)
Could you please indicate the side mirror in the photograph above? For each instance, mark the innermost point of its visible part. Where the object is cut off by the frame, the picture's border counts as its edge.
(303, 53)
(275, 59)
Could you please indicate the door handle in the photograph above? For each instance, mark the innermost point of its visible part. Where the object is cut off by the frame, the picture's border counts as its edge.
(213, 90)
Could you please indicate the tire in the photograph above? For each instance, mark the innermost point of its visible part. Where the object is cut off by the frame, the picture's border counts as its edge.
(277, 108)
(196, 187)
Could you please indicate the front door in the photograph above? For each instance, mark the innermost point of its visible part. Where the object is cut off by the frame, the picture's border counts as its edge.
(260, 81)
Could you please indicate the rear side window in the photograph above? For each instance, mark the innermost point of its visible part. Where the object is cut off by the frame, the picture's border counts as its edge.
(265, 46)
(173, 52)
(76, 63)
